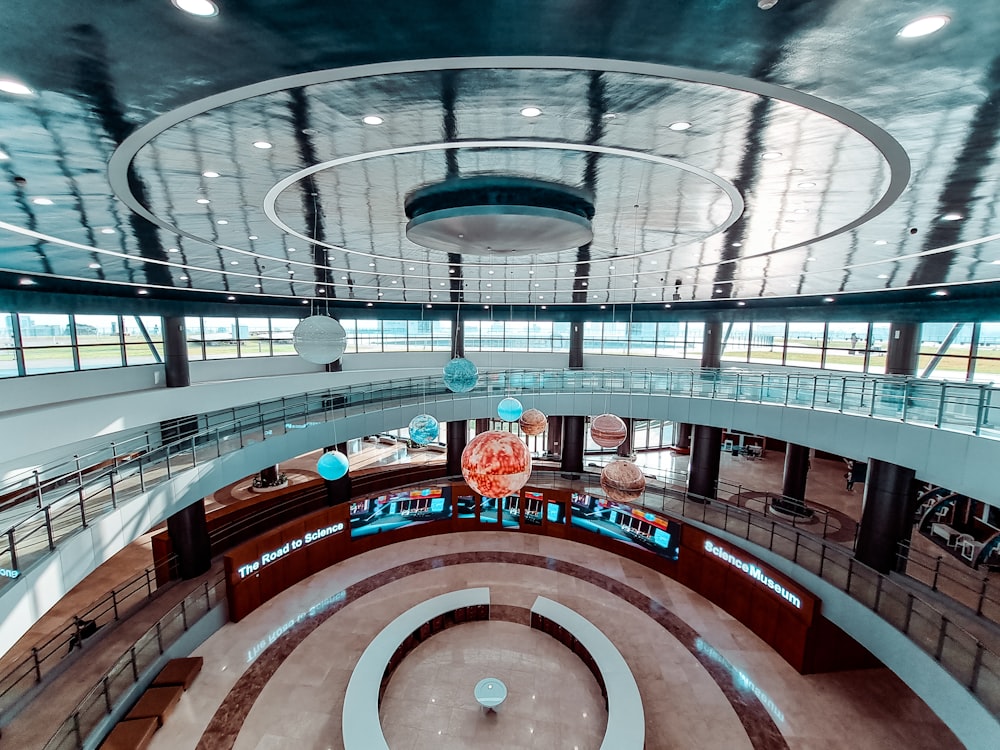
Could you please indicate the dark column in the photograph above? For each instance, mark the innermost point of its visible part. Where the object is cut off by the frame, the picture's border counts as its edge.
(703, 468)
(269, 475)
(458, 437)
(682, 436)
(175, 353)
(576, 345)
(336, 366)
(625, 449)
(902, 349)
(189, 538)
(793, 483)
(890, 501)
(572, 445)
(554, 436)
(482, 425)
(711, 344)
(339, 490)
(457, 337)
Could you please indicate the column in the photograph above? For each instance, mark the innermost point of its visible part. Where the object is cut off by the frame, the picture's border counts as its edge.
(902, 349)
(625, 449)
(572, 445)
(175, 353)
(576, 345)
(711, 344)
(482, 425)
(703, 468)
(457, 337)
(682, 437)
(188, 532)
(338, 490)
(458, 438)
(887, 518)
(269, 476)
(553, 436)
(793, 482)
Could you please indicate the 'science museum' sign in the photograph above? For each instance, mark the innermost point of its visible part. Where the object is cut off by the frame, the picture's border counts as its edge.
(289, 546)
(753, 571)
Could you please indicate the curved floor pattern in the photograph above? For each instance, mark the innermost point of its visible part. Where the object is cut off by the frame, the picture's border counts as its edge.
(278, 677)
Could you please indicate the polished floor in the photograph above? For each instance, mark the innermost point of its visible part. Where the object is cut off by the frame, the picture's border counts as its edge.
(277, 679)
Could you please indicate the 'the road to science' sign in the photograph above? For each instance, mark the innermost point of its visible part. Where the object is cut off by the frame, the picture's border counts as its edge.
(289, 546)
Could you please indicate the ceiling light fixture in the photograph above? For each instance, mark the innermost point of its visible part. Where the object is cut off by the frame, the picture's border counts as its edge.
(807, 184)
(202, 8)
(42, 201)
(231, 298)
(923, 26)
(881, 242)
(203, 201)
(679, 126)
(10, 86)
(26, 282)
(234, 262)
(209, 174)
(953, 216)
(828, 299)
(741, 303)
(252, 237)
(143, 291)
(939, 293)
(222, 222)
(107, 230)
(372, 120)
(883, 276)
(531, 112)
(184, 278)
(766, 4)
(94, 265)
(769, 155)
(261, 144)
(4, 156)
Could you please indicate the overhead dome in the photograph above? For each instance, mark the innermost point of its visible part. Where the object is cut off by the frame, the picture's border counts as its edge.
(497, 215)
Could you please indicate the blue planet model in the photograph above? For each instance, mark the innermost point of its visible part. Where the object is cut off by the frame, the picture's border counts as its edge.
(510, 410)
(424, 429)
(333, 465)
(460, 375)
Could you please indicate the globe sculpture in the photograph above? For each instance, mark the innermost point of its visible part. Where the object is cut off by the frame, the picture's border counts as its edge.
(622, 481)
(496, 464)
(460, 375)
(319, 339)
(533, 422)
(608, 431)
(510, 410)
(333, 465)
(424, 429)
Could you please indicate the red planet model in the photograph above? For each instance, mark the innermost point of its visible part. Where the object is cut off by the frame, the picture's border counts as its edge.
(496, 464)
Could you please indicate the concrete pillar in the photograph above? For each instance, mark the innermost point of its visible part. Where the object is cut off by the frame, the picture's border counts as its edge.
(458, 438)
(682, 436)
(902, 349)
(339, 490)
(703, 468)
(576, 345)
(711, 344)
(625, 449)
(175, 353)
(457, 337)
(482, 425)
(554, 436)
(269, 475)
(793, 482)
(887, 518)
(188, 532)
(572, 445)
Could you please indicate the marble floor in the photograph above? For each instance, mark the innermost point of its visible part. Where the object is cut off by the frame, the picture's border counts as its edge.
(277, 679)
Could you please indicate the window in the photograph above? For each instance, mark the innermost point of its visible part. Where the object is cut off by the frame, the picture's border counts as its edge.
(47, 342)
(735, 342)
(254, 337)
(804, 347)
(99, 340)
(767, 343)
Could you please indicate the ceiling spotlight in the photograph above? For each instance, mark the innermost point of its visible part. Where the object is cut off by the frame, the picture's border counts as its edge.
(209, 174)
(26, 282)
(429, 304)
(184, 278)
(679, 126)
(828, 299)
(203, 8)
(950, 216)
(4, 156)
(741, 303)
(261, 144)
(306, 302)
(883, 276)
(531, 112)
(369, 304)
(222, 222)
(42, 201)
(291, 249)
(253, 237)
(94, 265)
(881, 242)
(107, 230)
(807, 184)
(771, 155)
(434, 296)
(10, 86)
(667, 306)
(737, 244)
(234, 262)
(604, 307)
(939, 293)
(203, 201)
(291, 273)
(257, 286)
(372, 120)
(231, 298)
(172, 250)
(143, 291)
(923, 26)
(371, 265)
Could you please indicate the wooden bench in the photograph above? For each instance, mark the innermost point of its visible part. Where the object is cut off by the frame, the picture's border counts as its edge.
(157, 702)
(131, 734)
(179, 672)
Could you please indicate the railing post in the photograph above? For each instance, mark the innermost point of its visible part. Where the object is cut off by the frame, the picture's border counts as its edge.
(76, 729)
(114, 603)
(770, 542)
(906, 399)
(38, 487)
(48, 530)
(167, 451)
(843, 393)
(142, 478)
(36, 662)
(940, 414)
(107, 694)
(184, 619)
(135, 668)
(937, 572)
(942, 634)
(10, 546)
(878, 594)
(159, 637)
(850, 574)
(208, 598)
(149, 584)
(795, 554)
(822, 559)
(909, 613)
(980, 410)
(815, 388)
(194, 455)
(977, 664)
(982, 595)
(111, 487)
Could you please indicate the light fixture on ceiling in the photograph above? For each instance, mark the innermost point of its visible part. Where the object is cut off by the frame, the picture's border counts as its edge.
(372, 120)
(202, 201)
(4, 156)
(10, 86)
(939, 293)
(923, 26)
(202, 8)
(530, 112)
(26, 282)
(883, 276)
(234, 262)
(667, 306)
(173, 250)
(766, 4)
(184, 278)
(107, 230)
(952, 216)
(737, 244)
(769, 155)
(231, 298)
(829, 299)
(253, 237)
(94, 265)
(262, 144)
(143, 291)
(257, 286)
(291, 249)
(222, 222)
(679, 126)
(42, 201)
(210, 174)
(881, 242)
(807, 184)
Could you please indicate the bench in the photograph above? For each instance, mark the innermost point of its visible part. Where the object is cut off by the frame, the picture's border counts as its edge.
(131, 734)
(157, 702)
(179, 672)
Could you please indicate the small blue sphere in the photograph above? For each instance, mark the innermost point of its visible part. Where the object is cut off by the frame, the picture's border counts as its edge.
(460, 375)
(510, 410)
(424, 429)
(333, 465)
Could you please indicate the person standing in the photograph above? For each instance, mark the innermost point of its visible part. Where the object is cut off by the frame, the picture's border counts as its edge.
(849, 476)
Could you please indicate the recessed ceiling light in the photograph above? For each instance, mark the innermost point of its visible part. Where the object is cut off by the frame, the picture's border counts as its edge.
(291, 273)
(372, 120)
(939, 293)
(923, 26)
(771, 155)
(209, 173)
(442, 283)
(434, 296)
(172, 250)
(4, 156)
(680, 125)
(234, 262)
(737, 244)
(486, 307)
(531, 272)
(653, 262)
(252, 237)
(412, 268)
(950, 216)
(107, 230)
(828, 299)
(262, 144)
(256, 286)
(203, 8)
(222, 222)
(807, 184)
(718, 291)
(811, 257)
(143, 291)
(996, 263)
(231, 298)
(42, 201)
(184, 278)
(379, 294)
(26, 282)
(451, 270)
(394, 281)
(883, 276)
(305, 302)
(531, 112)
(611, 268)
(371, 265)
(321, 291)
(881, 242)
(491, 270)
(10, 86)
(370, 304)
(291, 249)
(667, 306)
(584, 283)
(604, 307)
(429, 304)
(203, 201)
(741, 303)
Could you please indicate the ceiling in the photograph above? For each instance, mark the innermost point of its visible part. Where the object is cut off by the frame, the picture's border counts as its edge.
(734, 156)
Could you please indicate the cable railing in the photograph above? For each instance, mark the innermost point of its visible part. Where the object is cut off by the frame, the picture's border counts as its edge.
(981, 594)
(135, 665)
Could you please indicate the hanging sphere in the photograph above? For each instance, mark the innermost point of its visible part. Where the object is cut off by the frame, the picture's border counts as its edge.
(510, 410)
(533, 422)
(319, 339)
(424, 429)
(608, 431)
(622, 481)
(496, 464)
(333, 465)
(460, 375)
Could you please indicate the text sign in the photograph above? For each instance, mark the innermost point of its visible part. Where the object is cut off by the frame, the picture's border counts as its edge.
(754, 572)
(8, 573)
(289, 546)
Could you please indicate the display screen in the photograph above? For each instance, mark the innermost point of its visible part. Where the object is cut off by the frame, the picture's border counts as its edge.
(466, 505)
(636, 526)
(533, 503)
(555, 512)
(404, 508)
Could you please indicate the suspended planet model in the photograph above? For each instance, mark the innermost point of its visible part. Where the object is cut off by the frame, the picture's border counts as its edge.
(533, 422)
(510, 410)
(319, 339)
(333, 465)
(424, 429)
(608, 431)
(460, 375)
(496, 464)
(622, 481)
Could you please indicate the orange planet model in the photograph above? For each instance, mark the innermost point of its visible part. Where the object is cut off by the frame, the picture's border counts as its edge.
(622, 481)
(608, 431)
(496, 464)
(533, 422)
